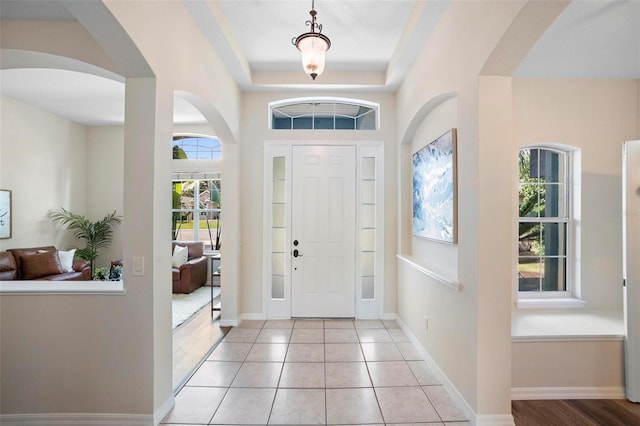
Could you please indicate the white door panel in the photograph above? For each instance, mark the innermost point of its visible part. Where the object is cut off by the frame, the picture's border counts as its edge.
(323, 223)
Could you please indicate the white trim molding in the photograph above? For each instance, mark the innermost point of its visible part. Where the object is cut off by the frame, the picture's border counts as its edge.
(568, 393)
(494, 420)
(67, 419)
(459, 400)
(164, 409)
(449, 282)
(24, 287)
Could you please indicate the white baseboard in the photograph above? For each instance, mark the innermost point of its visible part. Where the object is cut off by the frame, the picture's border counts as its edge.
(494, 420)
(164, 409)
(568, 393)
(448, 385)
(253, 317)
(469, 412)
(388, 316)
(67, 419)
(228, 323)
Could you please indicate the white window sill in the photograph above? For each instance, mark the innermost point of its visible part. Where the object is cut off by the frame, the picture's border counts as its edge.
(566, 325)
(23, 287)
(550, 303)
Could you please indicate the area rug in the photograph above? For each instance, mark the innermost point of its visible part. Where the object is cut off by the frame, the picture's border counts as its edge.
(187, 305)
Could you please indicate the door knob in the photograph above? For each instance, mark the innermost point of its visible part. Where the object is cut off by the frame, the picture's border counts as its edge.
(296, 253)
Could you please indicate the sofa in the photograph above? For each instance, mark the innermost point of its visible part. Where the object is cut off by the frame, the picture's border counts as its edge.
(42, 263)
(189, 266)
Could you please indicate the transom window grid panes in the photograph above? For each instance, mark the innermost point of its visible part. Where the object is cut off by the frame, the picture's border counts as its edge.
(278, 228)
(196, 209)
(329, 115)
(368, 228)
(196, 148)
(544, 222)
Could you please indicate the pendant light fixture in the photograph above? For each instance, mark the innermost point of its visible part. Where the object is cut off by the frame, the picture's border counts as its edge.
(313, 46)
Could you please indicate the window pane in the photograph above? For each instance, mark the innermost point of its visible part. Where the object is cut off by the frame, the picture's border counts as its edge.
(529, 274)
(345, 123)
(530, 200)
(277, 263)
(196, 148)
(367, 121)
(278, 167)
(529, 241)
(554, 239)
(368, 264)
(554, 274)
(368, 288)
(369, 191)
(368, 239)
(368, 216)
(278, 191)
(277, 287)
(552, 200)
(302, 123)
(369, 168)
(528, 171)
(278, 237)
(323, 123)
(551, 166)
(278, 215)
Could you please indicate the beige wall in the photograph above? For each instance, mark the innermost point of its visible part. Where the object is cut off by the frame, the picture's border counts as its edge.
(460, 322)
(105, 160)
(582, 365)
(45, 167)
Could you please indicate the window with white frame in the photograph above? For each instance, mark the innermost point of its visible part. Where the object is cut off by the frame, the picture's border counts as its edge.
(544, 243)
(324, 113)
(196, 208)
(187, 147)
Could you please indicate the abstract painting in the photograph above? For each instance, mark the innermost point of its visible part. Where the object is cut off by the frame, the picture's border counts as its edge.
(435, 191)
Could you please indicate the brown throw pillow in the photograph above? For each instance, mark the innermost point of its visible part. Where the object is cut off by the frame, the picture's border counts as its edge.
(40, 265)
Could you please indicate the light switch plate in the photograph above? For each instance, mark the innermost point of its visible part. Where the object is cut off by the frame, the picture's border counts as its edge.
(138, 266)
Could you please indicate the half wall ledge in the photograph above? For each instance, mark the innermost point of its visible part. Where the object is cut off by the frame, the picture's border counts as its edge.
(438, 277)
(25, 288)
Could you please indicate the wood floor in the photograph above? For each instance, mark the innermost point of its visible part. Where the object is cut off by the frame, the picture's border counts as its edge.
(192, 341)
(578, 412)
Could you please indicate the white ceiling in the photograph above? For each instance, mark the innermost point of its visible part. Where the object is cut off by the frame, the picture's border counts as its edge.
(590, 39)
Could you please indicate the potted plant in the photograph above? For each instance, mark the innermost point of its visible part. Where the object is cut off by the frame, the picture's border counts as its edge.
(96, 234)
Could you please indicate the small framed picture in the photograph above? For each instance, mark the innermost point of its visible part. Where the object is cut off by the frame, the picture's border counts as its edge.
(5, 213)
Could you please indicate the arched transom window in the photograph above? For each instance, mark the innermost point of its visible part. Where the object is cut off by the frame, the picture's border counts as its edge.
(324, 113)
(189, 147)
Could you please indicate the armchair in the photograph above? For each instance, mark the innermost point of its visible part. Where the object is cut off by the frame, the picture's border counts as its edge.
(191, 274)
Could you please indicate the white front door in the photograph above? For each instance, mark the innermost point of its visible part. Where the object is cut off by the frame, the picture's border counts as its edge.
(323, 231)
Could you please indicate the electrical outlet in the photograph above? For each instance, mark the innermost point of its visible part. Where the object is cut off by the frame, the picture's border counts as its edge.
(426, 322)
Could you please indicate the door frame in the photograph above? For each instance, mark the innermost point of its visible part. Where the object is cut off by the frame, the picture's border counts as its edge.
(280, 307)
(630, 268)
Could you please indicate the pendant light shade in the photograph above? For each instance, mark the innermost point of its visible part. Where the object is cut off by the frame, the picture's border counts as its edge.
(313, 46)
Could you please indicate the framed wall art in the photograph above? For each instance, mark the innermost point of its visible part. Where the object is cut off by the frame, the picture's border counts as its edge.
(435, 190)
(5, 213)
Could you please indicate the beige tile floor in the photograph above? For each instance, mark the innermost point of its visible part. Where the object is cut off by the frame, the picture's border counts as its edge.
(315, 372)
